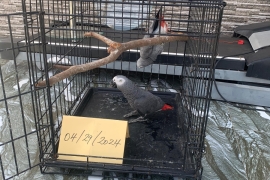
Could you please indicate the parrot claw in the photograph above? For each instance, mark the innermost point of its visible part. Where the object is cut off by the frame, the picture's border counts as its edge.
(139, 119)
(133, 113)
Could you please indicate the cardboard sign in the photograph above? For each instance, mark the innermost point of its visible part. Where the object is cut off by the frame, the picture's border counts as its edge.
(93, 137)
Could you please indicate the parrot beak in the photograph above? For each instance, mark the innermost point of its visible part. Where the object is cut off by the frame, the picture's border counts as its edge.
(113, 84)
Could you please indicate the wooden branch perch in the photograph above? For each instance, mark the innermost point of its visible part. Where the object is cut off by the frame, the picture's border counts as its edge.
(115, 49)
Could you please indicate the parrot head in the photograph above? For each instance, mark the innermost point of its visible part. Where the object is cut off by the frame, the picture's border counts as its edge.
(118, 81)
(160, 24)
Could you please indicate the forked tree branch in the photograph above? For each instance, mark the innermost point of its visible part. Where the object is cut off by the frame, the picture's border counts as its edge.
(115, 49)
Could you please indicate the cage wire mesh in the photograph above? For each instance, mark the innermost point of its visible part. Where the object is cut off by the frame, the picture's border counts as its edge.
(54, 35)
(19, 141)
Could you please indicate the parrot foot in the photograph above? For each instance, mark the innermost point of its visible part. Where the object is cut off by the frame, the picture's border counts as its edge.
(133, 113)
(139, 119)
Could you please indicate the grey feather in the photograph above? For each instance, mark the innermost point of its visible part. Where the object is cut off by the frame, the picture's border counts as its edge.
(139, 99)
(148, 54)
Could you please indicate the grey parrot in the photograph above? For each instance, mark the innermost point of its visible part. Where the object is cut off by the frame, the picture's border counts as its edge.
(143, 102)
(148, 54)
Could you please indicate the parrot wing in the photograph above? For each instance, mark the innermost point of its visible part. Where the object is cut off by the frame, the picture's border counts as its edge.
(151, 52)
(146, 51)
(148, 103)
(157, 50)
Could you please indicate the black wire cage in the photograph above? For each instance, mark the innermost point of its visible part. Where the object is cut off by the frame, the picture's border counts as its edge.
(170, 144)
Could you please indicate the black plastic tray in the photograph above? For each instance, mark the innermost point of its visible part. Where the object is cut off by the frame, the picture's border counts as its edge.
(155, 142)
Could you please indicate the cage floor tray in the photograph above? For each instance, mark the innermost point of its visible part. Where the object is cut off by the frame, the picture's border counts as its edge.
(155, 142)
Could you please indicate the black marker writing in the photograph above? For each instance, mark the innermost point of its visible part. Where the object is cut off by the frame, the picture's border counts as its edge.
(104, 141)
(67, 136)
(96, 138)
(88, 137)
(80, 136)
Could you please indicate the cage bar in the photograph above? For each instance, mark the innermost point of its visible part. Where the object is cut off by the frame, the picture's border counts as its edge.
(182, 74)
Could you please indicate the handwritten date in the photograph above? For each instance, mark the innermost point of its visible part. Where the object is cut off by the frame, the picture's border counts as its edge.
(88, 137)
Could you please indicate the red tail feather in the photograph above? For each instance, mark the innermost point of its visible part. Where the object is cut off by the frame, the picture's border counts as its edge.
(166, 107)
(163, 23)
